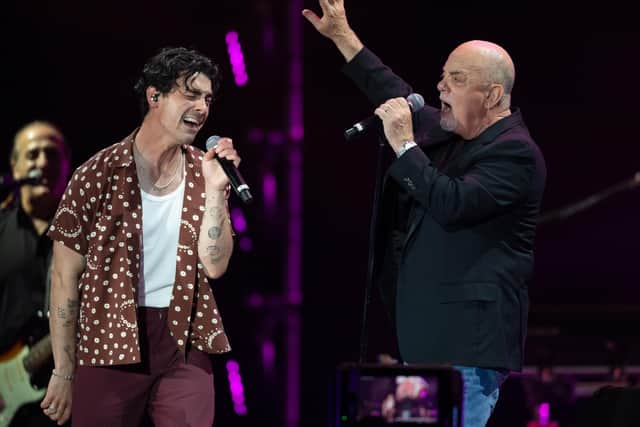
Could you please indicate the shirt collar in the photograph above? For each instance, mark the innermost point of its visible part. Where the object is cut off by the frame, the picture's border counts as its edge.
(121, 155)
(499, 127)
(437, 135)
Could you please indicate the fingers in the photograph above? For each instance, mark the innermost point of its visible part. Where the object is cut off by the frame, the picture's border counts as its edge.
(66, 414)
(46, 401)
(330, 9)
(396, 121)
(325, 5)
(224, 150)
(223, 144)
(311, 17)
(210, 154)
(57, 402)
(395, 105)
(58, 412)
(392, 107)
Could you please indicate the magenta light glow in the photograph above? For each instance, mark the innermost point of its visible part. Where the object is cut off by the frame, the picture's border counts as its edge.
(236, 58)
(246, 244)
(268, 356)
(237, 390)
(294, 232)
(269, 190)
(239, 222)
(544, 411)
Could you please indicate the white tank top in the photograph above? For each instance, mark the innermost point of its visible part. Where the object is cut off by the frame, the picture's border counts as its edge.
(160, 232)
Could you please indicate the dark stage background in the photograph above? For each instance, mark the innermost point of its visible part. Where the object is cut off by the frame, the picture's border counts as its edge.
(75, 63)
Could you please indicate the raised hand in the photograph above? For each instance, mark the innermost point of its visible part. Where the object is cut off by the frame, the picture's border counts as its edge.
(334, 19)
(334, 25)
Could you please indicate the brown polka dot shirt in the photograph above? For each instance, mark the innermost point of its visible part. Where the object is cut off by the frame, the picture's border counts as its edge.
(100, 217)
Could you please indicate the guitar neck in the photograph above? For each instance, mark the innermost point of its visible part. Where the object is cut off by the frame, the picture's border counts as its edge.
(38, 355)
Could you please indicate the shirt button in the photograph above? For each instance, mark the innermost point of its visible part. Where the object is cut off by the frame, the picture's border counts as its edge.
(409, 183)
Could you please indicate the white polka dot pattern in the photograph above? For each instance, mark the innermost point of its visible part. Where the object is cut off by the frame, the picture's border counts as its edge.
(99, 217)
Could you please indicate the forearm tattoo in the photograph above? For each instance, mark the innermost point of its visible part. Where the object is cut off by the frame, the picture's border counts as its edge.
(69, 314)
(216, 250)
(215, 253)
(70, 352)
(214, 232)
(216, 213)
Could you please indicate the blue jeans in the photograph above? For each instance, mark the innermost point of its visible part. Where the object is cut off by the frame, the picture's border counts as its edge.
(481, 388)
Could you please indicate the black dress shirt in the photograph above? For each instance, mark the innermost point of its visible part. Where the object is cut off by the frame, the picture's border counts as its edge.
(24, 260)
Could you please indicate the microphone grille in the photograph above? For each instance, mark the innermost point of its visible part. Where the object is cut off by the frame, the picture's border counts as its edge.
(212, 142)
(416, 102)
(34, 174)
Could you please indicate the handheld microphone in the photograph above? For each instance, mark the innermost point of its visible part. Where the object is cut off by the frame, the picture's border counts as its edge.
(416, 103)
(33, 177)
(237, 181)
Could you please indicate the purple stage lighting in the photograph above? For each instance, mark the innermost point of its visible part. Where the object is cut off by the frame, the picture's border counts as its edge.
(268, 356)
(237, 390)
(238, 220)
(246, 244)
(236, 58)
(269, 190)
(544, 412)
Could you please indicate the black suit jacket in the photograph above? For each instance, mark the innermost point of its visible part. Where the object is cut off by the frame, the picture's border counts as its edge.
(454, 244)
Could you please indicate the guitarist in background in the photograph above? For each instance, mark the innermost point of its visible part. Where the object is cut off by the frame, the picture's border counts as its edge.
(40, 164)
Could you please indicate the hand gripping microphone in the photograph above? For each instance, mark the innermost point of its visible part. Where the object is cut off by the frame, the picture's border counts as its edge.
(416, 103)
(237, 181)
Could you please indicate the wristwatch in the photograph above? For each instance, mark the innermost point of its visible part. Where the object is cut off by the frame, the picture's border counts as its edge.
(406, 146)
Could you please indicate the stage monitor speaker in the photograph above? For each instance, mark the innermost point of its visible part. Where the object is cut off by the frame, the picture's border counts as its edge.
(611, 407)
(369, 395)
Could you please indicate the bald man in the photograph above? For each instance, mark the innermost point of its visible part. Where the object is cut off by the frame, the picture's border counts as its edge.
(39, 149)
(457, 220)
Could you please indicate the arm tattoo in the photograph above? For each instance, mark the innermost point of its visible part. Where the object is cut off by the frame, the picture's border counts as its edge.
(70, 354)
(215, 253)
(214, 232)
(72, 305)
(216, 212)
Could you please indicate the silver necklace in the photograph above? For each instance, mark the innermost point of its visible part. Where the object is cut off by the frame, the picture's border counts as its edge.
(179, 167)
(173, 178)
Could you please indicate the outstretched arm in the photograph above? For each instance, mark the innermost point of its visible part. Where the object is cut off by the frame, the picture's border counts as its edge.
(334, 25)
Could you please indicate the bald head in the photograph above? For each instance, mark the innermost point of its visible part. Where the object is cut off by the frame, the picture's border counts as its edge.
(34, 131)
(40, 145)
(492, 61)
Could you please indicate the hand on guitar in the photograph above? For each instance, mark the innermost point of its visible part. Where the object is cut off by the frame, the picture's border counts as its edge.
(57, 402)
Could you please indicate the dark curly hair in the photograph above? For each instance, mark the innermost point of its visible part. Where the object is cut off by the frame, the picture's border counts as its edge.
(169, 65)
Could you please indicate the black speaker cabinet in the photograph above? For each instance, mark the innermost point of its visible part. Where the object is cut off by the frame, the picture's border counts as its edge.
(611, 407)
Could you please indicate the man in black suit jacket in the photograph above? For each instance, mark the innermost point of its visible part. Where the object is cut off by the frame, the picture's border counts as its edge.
(454, 243)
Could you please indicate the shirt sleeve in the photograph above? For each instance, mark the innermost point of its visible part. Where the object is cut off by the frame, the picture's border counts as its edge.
(499, 178)
(72, 219)
(379, 83)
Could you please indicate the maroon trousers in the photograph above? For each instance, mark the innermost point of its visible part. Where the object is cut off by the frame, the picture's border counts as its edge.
(163, 388)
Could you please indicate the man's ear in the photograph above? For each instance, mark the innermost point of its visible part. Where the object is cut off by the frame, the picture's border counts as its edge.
(152, 96)
(495, 94)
